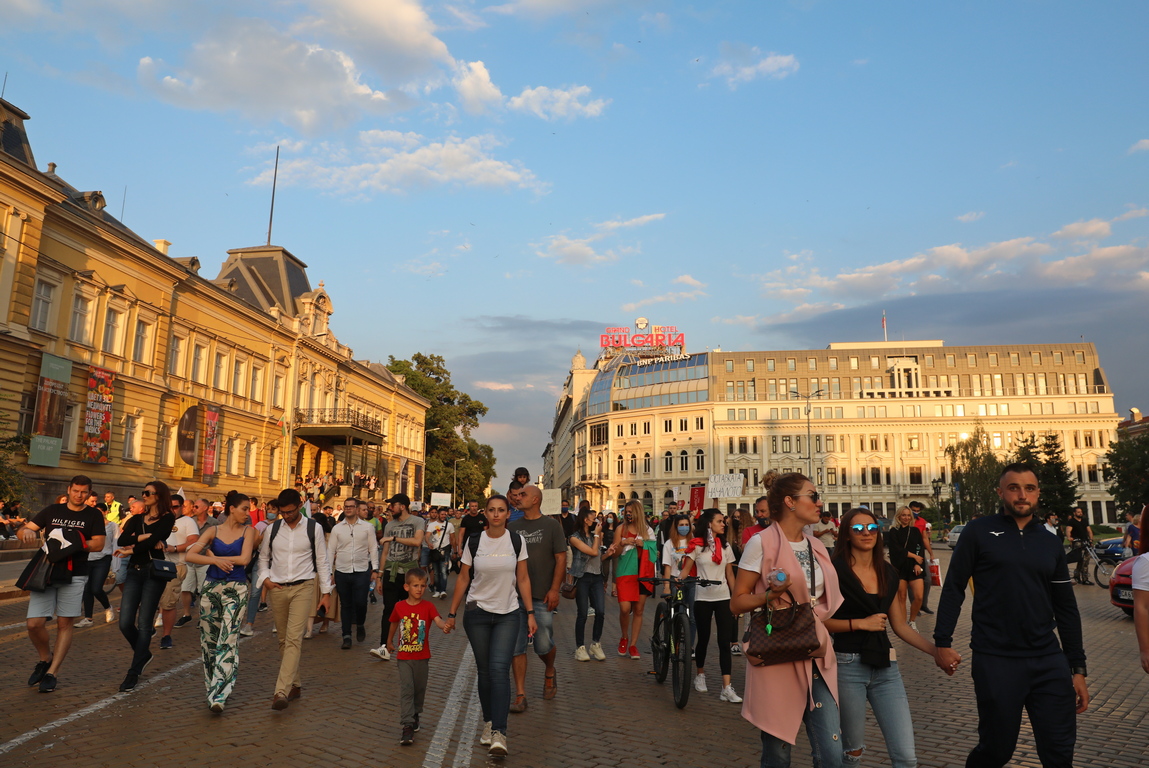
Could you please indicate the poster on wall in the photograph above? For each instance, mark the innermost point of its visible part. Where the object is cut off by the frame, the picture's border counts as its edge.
(187, 435)
(418, 482)
(210, 442)
(98, 416)
(403, 480)
(51, 406)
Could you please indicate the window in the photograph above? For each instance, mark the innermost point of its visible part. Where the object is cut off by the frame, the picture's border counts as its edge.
(273, 464)
(199, 353)
(141, 347)
(113, 332)
(951, 361)
(164, 445)
(754, 445)
(256, 391)
(853, 363)
(915, 475)
(730, 414)
(699, 422)
(619, 466)
(913, 442)
(633, 428)
(785, 444)
(131, 436)
(1091, 472)
(1088, 438)
(873, 442)
(811, 363)
(993, 358)
(646, 427)
(277, 394)
(750, 366)
(831, 476)
(1036, 356)
(971, 361)
(742, 445)
(774, 444)
(218, 373)
(646, 463)
(176, 356)
(667, 462)
(770, 364)
(42, 297)
(875, 475)
(618, 430)
(791, 364)
(668, 425)
(249, 459)
(633, 464)
(684, 461)
(1014, 358)
(237, 378)
(1079, 357)
(682, 425)
(730, 366)
(833, 363)
(929, 361)
(1058, 358)
(233, 457)
(875, 362)
(80, 330)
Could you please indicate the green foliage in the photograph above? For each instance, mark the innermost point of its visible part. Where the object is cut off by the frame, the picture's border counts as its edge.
(1057, 481)
(1128, 461)
(14, 485)
(975, 470)
(455, 460)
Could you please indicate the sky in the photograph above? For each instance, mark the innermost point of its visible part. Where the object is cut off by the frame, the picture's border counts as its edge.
(497, 183)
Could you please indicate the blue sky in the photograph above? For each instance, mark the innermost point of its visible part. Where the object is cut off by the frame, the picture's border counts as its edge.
(497, 182)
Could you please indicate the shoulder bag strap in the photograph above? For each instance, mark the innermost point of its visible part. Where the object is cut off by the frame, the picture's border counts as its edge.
(810, 549)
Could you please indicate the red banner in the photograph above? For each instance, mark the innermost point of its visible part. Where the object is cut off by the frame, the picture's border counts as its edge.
(210, 442)
(697, 498)
(98, 415)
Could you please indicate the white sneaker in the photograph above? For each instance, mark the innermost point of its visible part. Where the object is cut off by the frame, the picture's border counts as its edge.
(700, 683)
(274, 630)
(485, 739)
(596, 652)
(914, 626)
(381, 653)
(498, 745)
(728, 694)
(85, 622)
(736, 649)
(246, 631)
(590, 612)
(110, 615)
(159, 622)
(580, 654)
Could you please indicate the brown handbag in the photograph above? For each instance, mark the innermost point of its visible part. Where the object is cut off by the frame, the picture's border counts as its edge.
(782, 635)
(569, 586)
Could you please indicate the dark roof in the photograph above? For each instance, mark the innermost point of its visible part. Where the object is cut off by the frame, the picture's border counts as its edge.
(267, 276)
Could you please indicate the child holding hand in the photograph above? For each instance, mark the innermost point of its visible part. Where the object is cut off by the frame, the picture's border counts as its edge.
(411, 618)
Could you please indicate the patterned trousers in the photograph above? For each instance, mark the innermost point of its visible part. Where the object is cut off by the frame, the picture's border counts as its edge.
(221, 611)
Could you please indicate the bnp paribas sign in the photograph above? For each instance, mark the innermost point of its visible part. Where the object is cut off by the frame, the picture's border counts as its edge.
(642, 336)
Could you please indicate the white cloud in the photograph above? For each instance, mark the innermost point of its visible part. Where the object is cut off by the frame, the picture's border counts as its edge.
(1140, 146)
(1135, 213)
(1094, 229)
(558, 103)
(544, 7)
(860, 62)
(742, 64)
(747, 320)
(688, 280)
(972, 216)
(497, 386)
(672, 297)
(565, 250)
(476, 91)
(465, 17)
(638, 221)
(386, 139)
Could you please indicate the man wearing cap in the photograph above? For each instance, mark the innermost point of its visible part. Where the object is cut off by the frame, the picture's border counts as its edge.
(292, 555)
(400, 544)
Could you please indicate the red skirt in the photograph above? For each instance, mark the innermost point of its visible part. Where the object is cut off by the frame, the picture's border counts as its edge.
(629, 588)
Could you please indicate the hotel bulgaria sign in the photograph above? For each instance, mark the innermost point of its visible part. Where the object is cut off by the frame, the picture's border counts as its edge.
(643, 336)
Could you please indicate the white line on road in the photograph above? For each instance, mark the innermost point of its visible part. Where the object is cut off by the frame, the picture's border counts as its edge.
(21, 625)
(464, 677)
(467, 735)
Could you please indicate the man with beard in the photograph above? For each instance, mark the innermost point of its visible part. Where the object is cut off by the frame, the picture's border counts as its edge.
(1022, 592)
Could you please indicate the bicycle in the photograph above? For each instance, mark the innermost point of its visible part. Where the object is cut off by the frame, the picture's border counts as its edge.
(670, 639)
(1103, 567)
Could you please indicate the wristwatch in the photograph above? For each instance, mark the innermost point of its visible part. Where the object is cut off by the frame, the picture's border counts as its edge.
(450, 615)
(530, 613)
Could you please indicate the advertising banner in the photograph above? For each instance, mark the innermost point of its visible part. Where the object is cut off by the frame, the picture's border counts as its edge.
(51, 406)
(404, 481)
(98, 416)
(187, 435)
(210, 442)
(725, 486)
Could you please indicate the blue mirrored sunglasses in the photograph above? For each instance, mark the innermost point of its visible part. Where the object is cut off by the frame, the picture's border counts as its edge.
(859, 527)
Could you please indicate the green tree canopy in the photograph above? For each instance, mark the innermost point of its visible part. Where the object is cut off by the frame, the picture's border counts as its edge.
(1054, 475)
(975, 470)
(1128, 460)
(14, 485)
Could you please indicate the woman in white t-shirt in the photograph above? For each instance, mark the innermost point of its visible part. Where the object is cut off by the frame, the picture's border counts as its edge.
(714, 560)
(1141, 601)
(493, 579)
(673, 550)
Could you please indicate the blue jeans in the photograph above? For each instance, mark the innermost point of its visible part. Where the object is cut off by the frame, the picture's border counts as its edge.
(253, 592)
(94, 586)
(492, 637)
(882, 687)
(442, 571)
(352, 589)
(822, 728)
(589, 591)
(138, 608)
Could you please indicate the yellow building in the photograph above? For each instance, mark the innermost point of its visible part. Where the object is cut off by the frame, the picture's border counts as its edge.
(127, 365)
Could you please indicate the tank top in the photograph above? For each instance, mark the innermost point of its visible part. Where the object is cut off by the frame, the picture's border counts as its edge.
(221, 549)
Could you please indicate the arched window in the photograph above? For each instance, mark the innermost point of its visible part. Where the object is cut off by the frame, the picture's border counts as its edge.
(646, 463)
(648, 501)
(633, 495)
(620, 464)
(683, 462)
(633, 464)
(621, 500)
(668, 462)
(700, 460)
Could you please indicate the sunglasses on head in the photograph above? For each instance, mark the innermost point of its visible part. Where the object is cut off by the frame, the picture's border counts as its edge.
(860, 527)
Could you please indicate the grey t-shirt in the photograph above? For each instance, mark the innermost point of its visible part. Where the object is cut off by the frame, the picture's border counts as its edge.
(544, 539)
(404, 553)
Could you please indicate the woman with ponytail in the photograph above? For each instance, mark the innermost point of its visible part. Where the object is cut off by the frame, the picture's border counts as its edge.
(226, 550)
(714, 559)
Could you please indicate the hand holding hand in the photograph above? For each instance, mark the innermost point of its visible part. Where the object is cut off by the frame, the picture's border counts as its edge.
(947, 660)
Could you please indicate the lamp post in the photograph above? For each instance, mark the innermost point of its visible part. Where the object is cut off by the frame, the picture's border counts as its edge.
(809, 440)
(937, 484)
(455, 481)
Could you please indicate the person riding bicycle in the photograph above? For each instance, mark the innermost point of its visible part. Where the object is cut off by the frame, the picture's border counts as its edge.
(1080, 536)
(714, 559)
(672, 553)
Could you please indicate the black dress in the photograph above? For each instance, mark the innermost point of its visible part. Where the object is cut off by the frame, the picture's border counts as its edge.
(902, 542)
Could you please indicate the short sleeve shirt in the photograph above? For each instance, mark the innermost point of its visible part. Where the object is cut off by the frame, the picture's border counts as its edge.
(184, 527)
(403, 529)
(752, 561)
(87, 521)
(712, 571)
(411, 636)
(544, 539)
(494, 583)
(472, 524)
(1141, 573)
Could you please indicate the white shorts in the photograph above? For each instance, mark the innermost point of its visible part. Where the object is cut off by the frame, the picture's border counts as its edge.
(65, 601)
(195, 578)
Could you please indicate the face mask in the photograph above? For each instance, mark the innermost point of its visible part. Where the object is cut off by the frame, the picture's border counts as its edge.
(683, 530)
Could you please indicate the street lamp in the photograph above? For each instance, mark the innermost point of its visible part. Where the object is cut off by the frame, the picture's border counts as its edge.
(809, 441)
(937, 484)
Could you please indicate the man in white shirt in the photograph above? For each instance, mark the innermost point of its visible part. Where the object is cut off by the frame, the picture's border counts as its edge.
(353, 553)
(196, 574)
(292, 556)
(440, 533)
(185, 532)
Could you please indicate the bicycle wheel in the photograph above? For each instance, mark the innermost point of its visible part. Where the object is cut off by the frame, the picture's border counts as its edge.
(659, 642)
(1102, 571)
(680, 659)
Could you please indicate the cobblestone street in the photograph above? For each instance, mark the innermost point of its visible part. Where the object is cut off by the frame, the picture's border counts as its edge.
(608, 713)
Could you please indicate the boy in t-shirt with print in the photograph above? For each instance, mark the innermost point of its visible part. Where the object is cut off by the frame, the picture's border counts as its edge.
(411, 619)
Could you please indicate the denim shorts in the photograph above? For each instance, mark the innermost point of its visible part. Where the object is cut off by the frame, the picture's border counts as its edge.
(65, 601)
(544, 637)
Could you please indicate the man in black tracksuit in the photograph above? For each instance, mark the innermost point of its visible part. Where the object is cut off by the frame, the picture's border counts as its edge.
(1022, 591)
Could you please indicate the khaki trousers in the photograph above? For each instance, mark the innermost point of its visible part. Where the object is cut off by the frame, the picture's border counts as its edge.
(292, 605)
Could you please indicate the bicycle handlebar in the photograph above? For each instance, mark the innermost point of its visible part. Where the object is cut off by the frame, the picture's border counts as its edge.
(682, 580)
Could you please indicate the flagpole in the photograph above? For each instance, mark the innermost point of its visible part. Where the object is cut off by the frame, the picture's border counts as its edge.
(885, 334)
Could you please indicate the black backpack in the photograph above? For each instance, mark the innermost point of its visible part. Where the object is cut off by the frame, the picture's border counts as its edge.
(473, 544)
(311, 526)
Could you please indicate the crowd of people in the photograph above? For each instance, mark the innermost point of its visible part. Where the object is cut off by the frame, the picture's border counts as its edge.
(315, 565)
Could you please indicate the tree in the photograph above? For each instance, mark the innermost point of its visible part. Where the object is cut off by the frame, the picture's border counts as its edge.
(14, 485)
(975, 470)
(1128, 461)
(1057, 481)
(455, 461)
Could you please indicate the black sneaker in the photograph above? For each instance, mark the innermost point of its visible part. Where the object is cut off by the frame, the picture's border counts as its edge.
(927, 611)
(147, 661)
(372, 597)
(166, 643)
(39, 672)
(360, 633)
(408, 735)
(129, 682)
(183, 621)
(416, 723)
(346, 642)
(262, 608)
(48, 684)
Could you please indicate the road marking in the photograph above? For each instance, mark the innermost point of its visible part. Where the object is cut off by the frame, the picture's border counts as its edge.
(103, 704)
(6, 627)
(465, 677)
(470, 726)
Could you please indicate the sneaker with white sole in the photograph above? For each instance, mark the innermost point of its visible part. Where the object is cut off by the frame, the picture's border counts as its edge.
(498, 744)
(246, 631)
(485, 738)
(736, 649)
(581, 654)
(110, 615)
(596, 652)
(700, 683)
(728, 694)
(84, 622)
(914, 626)
(381, 653)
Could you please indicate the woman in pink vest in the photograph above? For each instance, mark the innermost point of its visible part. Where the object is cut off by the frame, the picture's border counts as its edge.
(781, 697)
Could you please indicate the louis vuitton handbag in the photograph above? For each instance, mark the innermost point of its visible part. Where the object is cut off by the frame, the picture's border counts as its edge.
(782, 635)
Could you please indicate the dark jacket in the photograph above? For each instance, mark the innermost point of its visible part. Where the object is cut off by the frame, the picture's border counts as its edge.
(1022, 591)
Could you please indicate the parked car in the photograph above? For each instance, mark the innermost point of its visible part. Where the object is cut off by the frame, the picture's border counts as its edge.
(1110, 548)
(1121, 586)
(955, 533)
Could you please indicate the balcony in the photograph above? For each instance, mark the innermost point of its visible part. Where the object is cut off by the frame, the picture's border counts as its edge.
(338, 423)
(594, 479)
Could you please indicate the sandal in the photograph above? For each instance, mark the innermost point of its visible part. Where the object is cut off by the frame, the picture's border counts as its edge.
(549, 691)
(519, 704)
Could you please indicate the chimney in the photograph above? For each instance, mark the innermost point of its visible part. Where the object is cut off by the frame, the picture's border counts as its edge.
(162, 246)
(1135, 415)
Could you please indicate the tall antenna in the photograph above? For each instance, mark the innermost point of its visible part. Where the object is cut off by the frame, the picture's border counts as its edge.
(274, 179)
(123, 203)
(4, 88)
(885, 335)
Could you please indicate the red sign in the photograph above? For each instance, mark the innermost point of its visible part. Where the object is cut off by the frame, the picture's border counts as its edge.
(644, 335)
(210, 442)
(697, 498)
(98, 416)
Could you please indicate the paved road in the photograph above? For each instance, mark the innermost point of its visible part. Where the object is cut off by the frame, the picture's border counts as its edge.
(607, 713)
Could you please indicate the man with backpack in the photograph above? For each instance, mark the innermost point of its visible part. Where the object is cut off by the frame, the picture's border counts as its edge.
(292, 556)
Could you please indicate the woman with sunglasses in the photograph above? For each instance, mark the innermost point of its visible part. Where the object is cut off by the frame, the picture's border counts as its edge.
(146, 535)
(780, 698)
(908, 554)
(867, 663)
